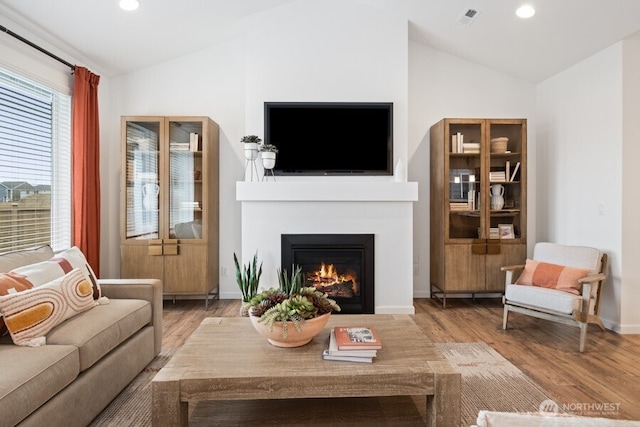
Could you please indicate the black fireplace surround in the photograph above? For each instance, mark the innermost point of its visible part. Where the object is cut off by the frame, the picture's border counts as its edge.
(340, 265)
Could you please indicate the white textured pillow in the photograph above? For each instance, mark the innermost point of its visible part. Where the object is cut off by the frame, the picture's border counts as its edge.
(30, 315)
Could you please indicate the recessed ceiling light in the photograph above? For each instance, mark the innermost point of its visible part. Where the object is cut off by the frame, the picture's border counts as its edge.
(129, 4)
(525, 11)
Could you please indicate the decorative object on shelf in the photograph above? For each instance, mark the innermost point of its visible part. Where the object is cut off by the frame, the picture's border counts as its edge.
(251, 149)
(150, 193)
(499, 145)
(497, 197)
(248, 279)
(506, 231)
(291, 315)
(268, 153)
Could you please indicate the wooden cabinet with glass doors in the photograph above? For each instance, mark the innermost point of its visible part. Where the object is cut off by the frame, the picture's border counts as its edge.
(169, 220)
(478, 201)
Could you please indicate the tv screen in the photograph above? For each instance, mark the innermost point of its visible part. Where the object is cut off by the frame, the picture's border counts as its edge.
(322, 138)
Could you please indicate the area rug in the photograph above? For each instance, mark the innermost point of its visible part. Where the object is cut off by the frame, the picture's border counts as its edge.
(489, 381)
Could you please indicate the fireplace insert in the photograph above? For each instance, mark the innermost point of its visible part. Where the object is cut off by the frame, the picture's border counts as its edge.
(341, 265)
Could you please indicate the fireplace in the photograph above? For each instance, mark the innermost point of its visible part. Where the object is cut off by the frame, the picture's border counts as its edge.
(340, 265)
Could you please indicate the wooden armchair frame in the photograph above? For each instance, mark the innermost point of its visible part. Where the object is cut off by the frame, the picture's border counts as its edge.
(587, 312)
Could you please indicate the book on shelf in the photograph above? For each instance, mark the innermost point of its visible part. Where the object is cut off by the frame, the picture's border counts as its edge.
(193, 141)
(497, 176)
(471, 147)
(515, 170)
(457, 142)
(357, 337)
(507, 169)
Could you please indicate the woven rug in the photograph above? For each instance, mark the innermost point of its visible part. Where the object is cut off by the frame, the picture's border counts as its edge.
(489, 381)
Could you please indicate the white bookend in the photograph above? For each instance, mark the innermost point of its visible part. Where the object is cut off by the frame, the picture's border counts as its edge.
(515, 170)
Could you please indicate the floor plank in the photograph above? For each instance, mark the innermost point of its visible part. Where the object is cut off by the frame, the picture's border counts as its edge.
(605, 377)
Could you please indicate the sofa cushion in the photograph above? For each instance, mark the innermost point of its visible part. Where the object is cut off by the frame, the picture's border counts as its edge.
(30, 376)
(546, 298)
(548, 275)
(11, 260)
(31, 314)
(98, 331)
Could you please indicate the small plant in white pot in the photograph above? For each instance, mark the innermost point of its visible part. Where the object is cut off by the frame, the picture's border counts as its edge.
(268, 154)
(251, 146)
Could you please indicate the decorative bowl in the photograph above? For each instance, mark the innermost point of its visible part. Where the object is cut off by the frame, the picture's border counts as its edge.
(309, 329)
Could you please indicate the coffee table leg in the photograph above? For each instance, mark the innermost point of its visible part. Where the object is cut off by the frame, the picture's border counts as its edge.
(443, 408)
(166, 407)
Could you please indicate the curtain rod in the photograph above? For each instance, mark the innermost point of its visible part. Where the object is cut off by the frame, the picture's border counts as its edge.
(35, 46)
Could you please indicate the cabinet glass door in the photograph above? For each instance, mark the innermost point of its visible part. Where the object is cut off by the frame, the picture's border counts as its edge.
(464, 180)
(142, 180)
(506, 179)
(185, 180)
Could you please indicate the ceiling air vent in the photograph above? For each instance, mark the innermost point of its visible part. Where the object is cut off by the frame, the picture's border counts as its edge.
(468, 16)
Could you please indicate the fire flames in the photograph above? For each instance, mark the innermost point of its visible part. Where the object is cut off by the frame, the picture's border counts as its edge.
(328, 280)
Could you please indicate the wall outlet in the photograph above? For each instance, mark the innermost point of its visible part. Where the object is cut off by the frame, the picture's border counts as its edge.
(600, 208)
(416, 269)
(224, 271)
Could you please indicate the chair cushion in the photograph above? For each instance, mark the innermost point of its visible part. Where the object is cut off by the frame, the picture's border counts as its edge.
(544, 298)
(548, 275)
(570, 256)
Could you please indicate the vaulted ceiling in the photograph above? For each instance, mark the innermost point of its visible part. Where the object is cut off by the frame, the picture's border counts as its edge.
(560, 34)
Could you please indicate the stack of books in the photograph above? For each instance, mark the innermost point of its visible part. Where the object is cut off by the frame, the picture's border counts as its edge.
(497, 176)
(352, 344)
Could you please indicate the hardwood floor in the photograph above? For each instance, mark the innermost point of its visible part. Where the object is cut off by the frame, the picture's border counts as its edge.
(604, 381)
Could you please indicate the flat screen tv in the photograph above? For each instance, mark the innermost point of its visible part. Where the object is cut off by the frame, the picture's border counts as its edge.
(330, 138)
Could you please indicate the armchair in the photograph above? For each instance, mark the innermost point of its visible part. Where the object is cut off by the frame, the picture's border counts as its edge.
(577, 306)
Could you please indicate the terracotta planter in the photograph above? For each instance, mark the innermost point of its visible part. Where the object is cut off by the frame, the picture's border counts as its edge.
(309, 329)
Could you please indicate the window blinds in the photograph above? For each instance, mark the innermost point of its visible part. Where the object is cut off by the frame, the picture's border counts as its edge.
(35, 165)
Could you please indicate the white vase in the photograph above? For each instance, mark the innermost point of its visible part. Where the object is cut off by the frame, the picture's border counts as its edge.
(251, 150)
(268, 159)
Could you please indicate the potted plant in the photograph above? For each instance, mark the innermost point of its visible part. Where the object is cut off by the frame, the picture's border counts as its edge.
(251, 146)
(268, 154)
(274, 312)
(248, 279)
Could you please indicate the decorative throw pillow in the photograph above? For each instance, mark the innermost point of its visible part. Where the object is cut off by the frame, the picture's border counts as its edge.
(31, 314)
(549, 275)
(37, 274)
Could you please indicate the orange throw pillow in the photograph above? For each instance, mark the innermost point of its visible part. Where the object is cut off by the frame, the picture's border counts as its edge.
(554, 276)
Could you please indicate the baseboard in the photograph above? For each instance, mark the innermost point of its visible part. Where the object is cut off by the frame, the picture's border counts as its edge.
(621, 329)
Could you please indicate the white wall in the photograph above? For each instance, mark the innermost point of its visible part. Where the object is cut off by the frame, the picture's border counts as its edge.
(630, 253)
(580, 152)
(442, 85)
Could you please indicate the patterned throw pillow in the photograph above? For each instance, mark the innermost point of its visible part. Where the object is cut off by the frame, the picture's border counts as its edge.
(31, 314)
(34, 275)
(549, 275)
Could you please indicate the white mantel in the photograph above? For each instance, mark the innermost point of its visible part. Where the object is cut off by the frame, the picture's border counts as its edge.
(385, 209)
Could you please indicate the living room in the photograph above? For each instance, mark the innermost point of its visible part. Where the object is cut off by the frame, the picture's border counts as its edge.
(581, 121)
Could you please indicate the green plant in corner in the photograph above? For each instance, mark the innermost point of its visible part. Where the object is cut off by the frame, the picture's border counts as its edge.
(248, 279)
(290, 302)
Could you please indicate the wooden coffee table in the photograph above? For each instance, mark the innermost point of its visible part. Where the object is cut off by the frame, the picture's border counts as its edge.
(226, 359)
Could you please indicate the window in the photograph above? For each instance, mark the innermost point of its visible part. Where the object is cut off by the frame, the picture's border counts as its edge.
(35, 165)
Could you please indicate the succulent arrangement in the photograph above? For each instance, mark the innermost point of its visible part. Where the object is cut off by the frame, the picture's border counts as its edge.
(290, 302)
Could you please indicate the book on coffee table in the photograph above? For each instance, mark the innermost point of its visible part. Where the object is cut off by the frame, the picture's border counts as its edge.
(358, 359)
(332, 349)
(357, 338)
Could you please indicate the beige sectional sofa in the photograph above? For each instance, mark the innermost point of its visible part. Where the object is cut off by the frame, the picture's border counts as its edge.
(87, 360)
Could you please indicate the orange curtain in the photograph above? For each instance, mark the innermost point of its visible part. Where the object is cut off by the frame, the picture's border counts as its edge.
(86, 166)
